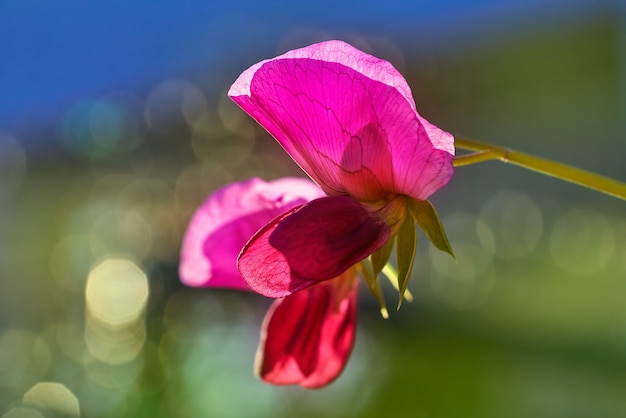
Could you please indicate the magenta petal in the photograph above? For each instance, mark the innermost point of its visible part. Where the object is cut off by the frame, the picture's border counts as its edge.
(227, 220)
(348, 119)
(307, 337)
(306, 245)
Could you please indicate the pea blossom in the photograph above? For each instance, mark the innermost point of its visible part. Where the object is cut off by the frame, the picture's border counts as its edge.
(306, 338)
(349, 121)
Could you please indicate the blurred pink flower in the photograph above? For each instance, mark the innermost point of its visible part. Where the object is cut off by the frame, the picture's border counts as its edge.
(227, 219)
(306, 338)
(349, 120)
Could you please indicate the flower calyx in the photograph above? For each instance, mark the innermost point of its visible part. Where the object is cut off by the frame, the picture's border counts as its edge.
(402, 214)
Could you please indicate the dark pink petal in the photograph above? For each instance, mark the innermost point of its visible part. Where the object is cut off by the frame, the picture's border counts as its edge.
(348, 119)
(307, 337)
(309, 244)
(227, 220)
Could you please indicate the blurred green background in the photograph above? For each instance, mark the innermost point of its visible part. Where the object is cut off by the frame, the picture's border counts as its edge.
(530, 321)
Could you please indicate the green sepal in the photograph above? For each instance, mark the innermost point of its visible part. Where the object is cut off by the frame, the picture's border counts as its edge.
(381, 257)
(372, 283)
(426, 217)
(392, 275)
(406, 245)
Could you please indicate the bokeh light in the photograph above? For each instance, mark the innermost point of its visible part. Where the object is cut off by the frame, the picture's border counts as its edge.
(122, 232)
(516, 221)
(174, 97)
(582, 242)
(54, 397)
(116, 295)
(71, 261)
(116, 292)
(96, 128)
(24, 359)
(116, 122)
(23, 412)
(466, 281)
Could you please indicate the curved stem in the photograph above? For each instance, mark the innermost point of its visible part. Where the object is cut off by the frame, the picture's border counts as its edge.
(486, 152)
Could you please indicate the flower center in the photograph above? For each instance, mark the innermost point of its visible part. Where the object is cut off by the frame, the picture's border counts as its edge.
(393, 209)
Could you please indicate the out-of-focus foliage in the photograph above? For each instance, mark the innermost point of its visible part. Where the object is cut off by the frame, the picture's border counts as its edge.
(529, 321)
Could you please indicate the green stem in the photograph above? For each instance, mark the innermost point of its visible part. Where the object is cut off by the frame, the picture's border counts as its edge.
(486, 152)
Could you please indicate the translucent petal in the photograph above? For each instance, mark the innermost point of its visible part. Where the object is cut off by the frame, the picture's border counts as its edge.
(227, 220)
(348, 120)
(306, 245)
(307, 337)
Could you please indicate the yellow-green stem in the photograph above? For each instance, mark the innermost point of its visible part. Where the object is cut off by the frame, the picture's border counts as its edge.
(486, 152)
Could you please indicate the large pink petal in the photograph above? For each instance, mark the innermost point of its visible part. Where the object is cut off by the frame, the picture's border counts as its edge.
(227, 220)
(348, 119)
(307, 337)
(337, 52)
(309, 244)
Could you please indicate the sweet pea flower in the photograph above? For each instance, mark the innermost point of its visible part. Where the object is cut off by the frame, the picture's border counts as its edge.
(349, 121)
(307, 337)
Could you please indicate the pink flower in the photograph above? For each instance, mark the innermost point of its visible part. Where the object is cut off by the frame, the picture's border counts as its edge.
(307, 337)
(349, 120)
